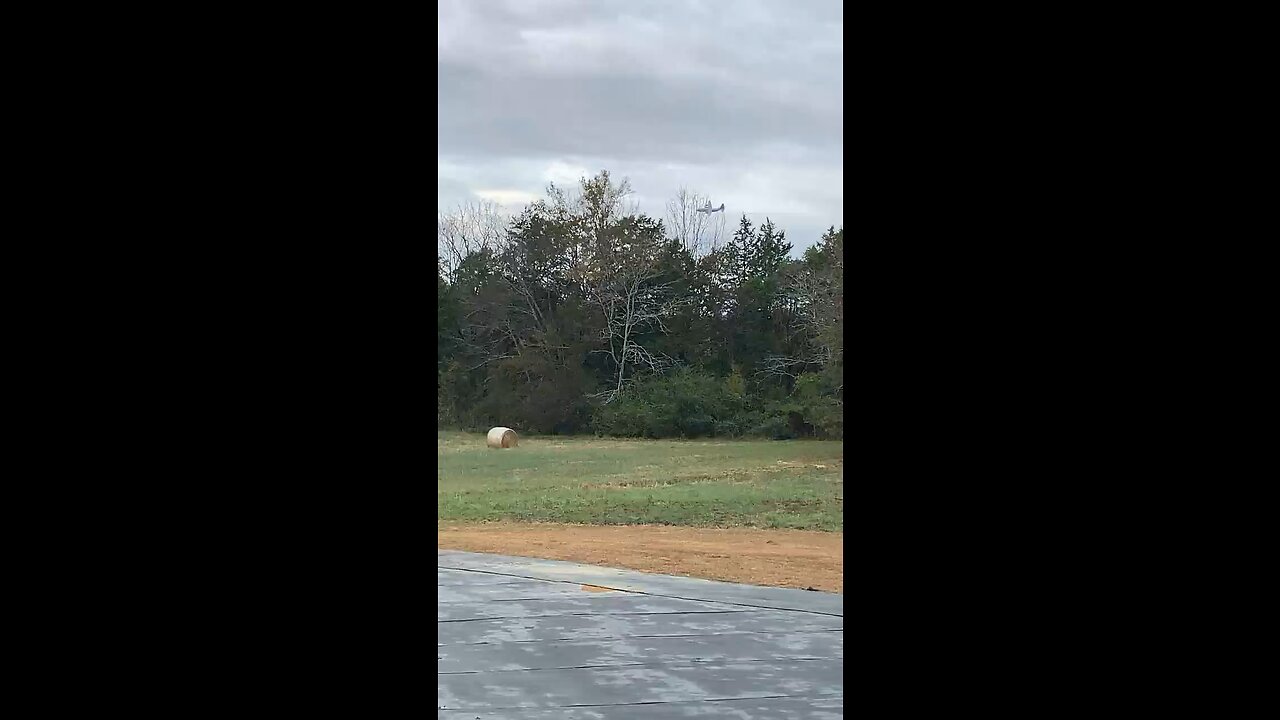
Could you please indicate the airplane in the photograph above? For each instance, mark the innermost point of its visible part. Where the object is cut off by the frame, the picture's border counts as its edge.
(708, 209)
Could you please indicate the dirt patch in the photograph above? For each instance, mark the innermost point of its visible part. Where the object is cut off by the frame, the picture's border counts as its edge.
(780, 558)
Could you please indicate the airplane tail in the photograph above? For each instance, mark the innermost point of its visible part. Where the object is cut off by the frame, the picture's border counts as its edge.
(721, 207)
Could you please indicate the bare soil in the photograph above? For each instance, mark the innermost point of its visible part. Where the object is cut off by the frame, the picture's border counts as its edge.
(779, 558)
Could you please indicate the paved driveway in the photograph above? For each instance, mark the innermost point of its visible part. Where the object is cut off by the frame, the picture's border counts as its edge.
(543, 640)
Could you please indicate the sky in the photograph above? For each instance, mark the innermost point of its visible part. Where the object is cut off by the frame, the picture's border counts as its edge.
(742, 102)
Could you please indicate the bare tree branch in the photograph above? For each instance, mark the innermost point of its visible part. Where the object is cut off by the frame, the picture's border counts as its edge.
(622, 282)
(699, 233)
(470, 228)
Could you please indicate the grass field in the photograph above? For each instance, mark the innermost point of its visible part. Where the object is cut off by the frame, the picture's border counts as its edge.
(713, 483)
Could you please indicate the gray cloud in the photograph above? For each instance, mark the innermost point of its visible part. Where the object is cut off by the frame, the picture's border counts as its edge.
(741, 101)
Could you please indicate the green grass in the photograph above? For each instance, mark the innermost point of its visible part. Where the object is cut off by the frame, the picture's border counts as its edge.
(702, 483)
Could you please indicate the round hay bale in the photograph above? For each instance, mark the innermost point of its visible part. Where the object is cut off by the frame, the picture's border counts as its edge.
(501, 437)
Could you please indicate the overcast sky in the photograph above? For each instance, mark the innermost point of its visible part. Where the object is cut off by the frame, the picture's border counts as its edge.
(740, 101)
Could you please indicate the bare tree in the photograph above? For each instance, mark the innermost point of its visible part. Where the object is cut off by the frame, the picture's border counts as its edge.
(791, 367)
(623, 281)
(814, 297)
(631, 306)
(472, 227)
(698, 232)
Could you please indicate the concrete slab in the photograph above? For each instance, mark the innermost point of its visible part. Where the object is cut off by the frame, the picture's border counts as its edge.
(633, 581)
(521, 637)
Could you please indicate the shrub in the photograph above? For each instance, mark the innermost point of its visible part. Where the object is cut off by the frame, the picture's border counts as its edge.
(815, 400)
(774, 428)
(689, 403)
(683, 403)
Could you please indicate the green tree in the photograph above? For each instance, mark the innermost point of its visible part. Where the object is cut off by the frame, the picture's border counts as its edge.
(581, 312)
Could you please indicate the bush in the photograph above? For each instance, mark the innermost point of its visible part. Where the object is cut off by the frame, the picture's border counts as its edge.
(726, 428)
(688, 403)
(625, 417)
(827, 418)
(774, 428)
(815, 400)
(683, 403)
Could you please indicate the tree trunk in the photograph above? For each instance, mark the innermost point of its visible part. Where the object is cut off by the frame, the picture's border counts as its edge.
(622, 362)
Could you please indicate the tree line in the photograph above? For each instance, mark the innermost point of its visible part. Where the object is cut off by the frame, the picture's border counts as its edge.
(582, 315)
